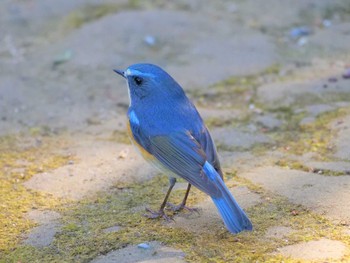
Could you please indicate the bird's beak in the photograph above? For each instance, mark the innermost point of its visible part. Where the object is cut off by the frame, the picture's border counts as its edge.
(120, 72)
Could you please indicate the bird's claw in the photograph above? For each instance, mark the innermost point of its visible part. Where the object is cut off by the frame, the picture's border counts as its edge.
(178, 208)
(157, 214)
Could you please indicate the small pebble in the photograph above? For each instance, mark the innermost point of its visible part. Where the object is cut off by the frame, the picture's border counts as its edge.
(302, 41)
(63, 58)
(150, 40)
(123, 154)
(297, 32)
(294, 213)
(326, 23)
(144, 246)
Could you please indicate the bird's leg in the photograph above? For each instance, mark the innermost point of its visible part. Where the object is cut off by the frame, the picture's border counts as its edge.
(182, 206)
(160, 213)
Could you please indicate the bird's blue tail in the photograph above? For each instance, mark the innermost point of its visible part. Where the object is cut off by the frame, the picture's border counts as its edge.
(232, 214)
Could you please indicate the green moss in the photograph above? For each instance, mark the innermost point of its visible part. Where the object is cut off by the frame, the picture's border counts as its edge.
(235, 92)
(89, 13)
(296, 165)
(92, 12)
(293, 164)
(315, 137)
(82, 237)
(256, 148)
(311, 98)
(17, 164)
(120, 136)
(217, 122)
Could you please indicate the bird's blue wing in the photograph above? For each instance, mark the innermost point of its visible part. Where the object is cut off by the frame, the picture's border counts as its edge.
(209, 148)
(178, 152)
(182, 154)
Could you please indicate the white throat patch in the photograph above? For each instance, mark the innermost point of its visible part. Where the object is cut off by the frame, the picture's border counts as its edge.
(133, 118)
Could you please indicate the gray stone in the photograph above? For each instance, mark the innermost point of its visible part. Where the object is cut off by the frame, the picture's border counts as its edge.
(232, 137)
(221, 114)
(279, 14)
(288, 93)
(307, 120)
(208, 220)
(28, 87)
(43, 217)
(335, 38)
(343, 167)
(317, 109)
(236, 160)
(42, 235)
(196, 45)
(246, 197)
(269, 121)
(322, 249)
(100, 168)
(328, 195)
(342, 141)
(130, 254)
(112, 229)
(313, 111)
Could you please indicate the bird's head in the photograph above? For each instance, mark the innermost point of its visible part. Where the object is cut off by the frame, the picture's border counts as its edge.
(149, 81)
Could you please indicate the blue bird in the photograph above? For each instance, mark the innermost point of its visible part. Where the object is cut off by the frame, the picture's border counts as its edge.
(169, 132)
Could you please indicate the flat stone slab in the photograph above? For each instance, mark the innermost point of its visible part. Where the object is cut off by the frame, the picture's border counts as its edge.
(288, 93)
(328, 195)
(278, 14)
(197, 41)
(322, 249)
(44, 234)
(316, 109)
(221, 114)
(43, 217)
(232, 137)
(269, 121)
(312, 111)
(155, 253)
(342, 141)
(208, 220)
(335, 38)
(236, 160)
(342, 167)
(189, 52)
(101, 165)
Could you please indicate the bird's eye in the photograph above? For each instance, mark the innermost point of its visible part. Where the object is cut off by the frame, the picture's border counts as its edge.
(138, 81)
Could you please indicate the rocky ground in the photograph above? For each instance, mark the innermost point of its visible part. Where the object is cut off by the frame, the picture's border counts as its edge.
(270, 78)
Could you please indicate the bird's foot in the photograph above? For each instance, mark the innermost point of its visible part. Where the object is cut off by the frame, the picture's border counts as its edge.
(180, 207)
(157, 214)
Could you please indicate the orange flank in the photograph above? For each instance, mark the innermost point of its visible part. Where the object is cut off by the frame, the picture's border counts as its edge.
(145, 154)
